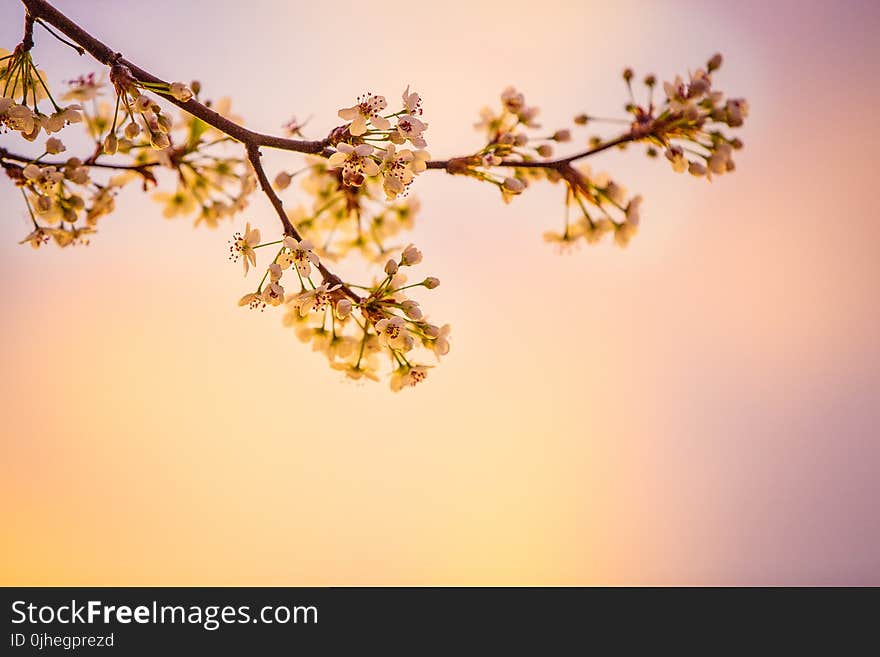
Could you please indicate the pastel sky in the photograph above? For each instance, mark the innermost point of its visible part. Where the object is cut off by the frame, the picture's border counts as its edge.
(700, 408)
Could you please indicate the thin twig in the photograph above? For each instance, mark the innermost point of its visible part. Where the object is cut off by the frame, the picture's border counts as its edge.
(79, 49)
(6, 155)
(557, 164)
(330, 278)
(45, 12)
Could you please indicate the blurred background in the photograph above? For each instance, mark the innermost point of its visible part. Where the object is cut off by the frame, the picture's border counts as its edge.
(700, 408)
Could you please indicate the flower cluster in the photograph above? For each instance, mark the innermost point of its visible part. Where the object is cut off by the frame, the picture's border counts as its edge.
(341, 218)
(688, 125)
(359, 194)
(140, 113)
(22, 87)
(63, 202)
(507, 131)
(366, 148)
(63, 199)
(604, 206)
(511, 137)
(353, 332)
(210, 184)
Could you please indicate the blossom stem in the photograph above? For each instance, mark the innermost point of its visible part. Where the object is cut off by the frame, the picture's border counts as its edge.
(79, 49)
(363, 344)
(266, 274)
(567, 210)
(253, 152)
(30, 210)
(140, 168)
(115, 115)
(458, 164)
(260, 246)
(602, 119)
(587, 216)
(10, 78)
(43, 84)
(405, 287)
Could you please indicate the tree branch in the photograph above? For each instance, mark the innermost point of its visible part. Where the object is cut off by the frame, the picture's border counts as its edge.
(45, 12)
(27, 41)
(330, 278)
(6, 155)
(558, 164)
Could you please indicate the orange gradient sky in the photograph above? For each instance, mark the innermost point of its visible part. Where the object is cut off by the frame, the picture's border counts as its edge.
(701, 408)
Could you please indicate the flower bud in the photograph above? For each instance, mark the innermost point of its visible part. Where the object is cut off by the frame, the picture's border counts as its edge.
(160, 140)
(513, 185)
(632, 210)
(715, 63)
(72, 114)
(441, 346)
(411, 256)
(545, 150)
(78, 175)
(54, 146)
(141, 104)
(282, 180)
(697, 169)
(562, 136)
(180, 91)
(411, 309)
(132, 130)
(53, 123)
(391, 267)
(164, 123)
(31, 171)
(343, 308)
(111, 144)
(431, 282)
